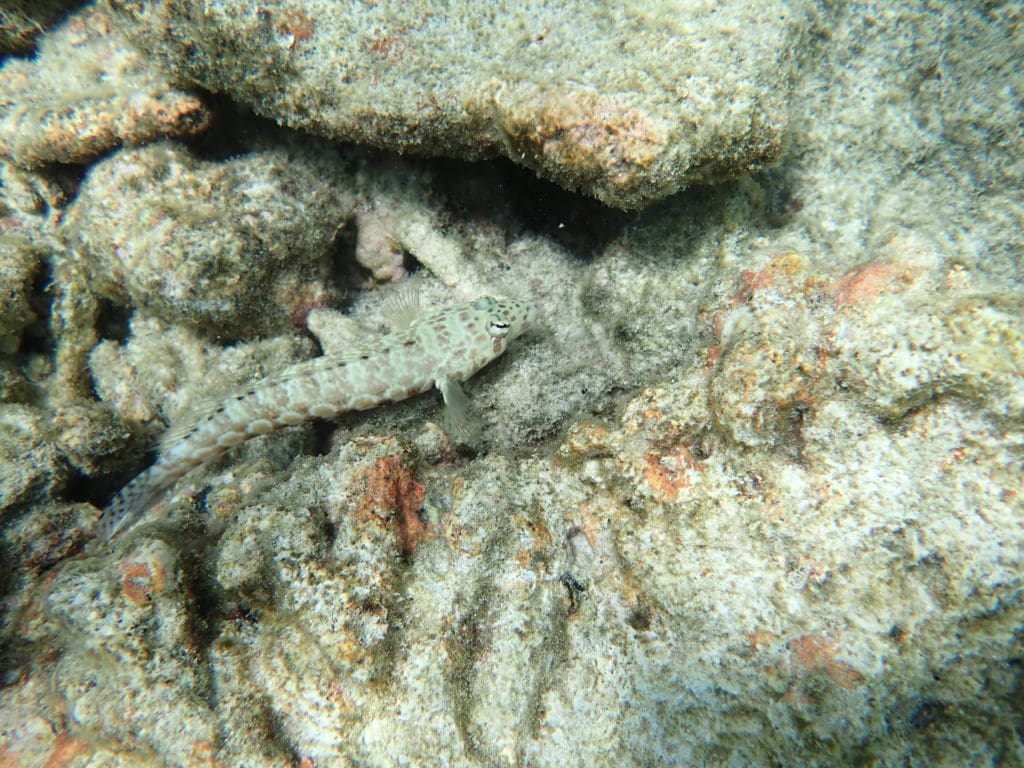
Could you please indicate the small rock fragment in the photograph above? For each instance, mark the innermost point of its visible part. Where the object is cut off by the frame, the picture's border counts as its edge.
(397, 217)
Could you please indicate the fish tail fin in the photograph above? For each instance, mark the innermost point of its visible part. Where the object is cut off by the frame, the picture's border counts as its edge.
(131, 501)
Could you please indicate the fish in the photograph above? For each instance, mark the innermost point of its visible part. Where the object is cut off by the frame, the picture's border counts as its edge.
(440, 350)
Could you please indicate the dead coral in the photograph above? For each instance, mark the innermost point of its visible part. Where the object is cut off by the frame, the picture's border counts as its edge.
(87, 92)
(151, 222)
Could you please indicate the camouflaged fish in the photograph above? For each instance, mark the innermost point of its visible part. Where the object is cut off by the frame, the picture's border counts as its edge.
(440, 350)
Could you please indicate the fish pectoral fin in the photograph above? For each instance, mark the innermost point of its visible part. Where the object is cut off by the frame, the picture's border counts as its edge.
(458, 423)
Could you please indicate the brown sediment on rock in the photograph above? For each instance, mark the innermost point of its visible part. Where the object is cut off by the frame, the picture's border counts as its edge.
(587, 136)
(668, 473)
(817, 653)
(868, 280)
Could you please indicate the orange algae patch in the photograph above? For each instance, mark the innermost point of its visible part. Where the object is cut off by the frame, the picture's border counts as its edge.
(297, 26)
(144, 578)
(592, 134)
(868, 281)
(816, 653)
(391, 486)
(669, 473)
(65, 750)
(782, 269)
(37, 742)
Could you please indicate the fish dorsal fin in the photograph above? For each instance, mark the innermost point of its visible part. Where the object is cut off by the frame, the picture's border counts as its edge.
(185, 422)
(337, 332)
(402, 308)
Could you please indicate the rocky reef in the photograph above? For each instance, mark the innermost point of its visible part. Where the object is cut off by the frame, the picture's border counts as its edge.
(750, 494)
(627, 102)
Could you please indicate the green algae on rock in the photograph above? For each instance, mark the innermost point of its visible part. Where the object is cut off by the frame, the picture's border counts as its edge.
(627, 102)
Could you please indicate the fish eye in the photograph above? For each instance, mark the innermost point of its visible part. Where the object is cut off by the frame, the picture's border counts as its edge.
(497, 329)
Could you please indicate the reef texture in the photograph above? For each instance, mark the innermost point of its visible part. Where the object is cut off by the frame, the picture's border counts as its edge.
(86, 92)
(27, 203)
(150, 222)
(788, 572)
(751, 494)
(627, 102)
(21, 21)
(19, 265)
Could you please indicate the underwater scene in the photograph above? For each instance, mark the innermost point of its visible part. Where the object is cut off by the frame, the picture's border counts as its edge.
(485, 385)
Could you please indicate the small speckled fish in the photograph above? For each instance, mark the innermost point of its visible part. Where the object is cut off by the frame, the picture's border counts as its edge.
(440, 350)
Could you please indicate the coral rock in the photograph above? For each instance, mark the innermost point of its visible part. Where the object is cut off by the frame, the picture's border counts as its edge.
(151, 221)
(621, 102)
(87, 92)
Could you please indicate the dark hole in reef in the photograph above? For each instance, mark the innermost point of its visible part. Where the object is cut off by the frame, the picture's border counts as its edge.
(330, 531)
(898, 632)
(410, 263)
(780, 201)
(345, 272)
(8, 579)
(315, 341)
(500, 189)
(926, 713)
(208, 598)
(38, 337)
(640, 618)
(323, 436)
(113, 321)
(101, 491)
(67, 176)
(82, 488)
(231, 133)
(702, 447)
